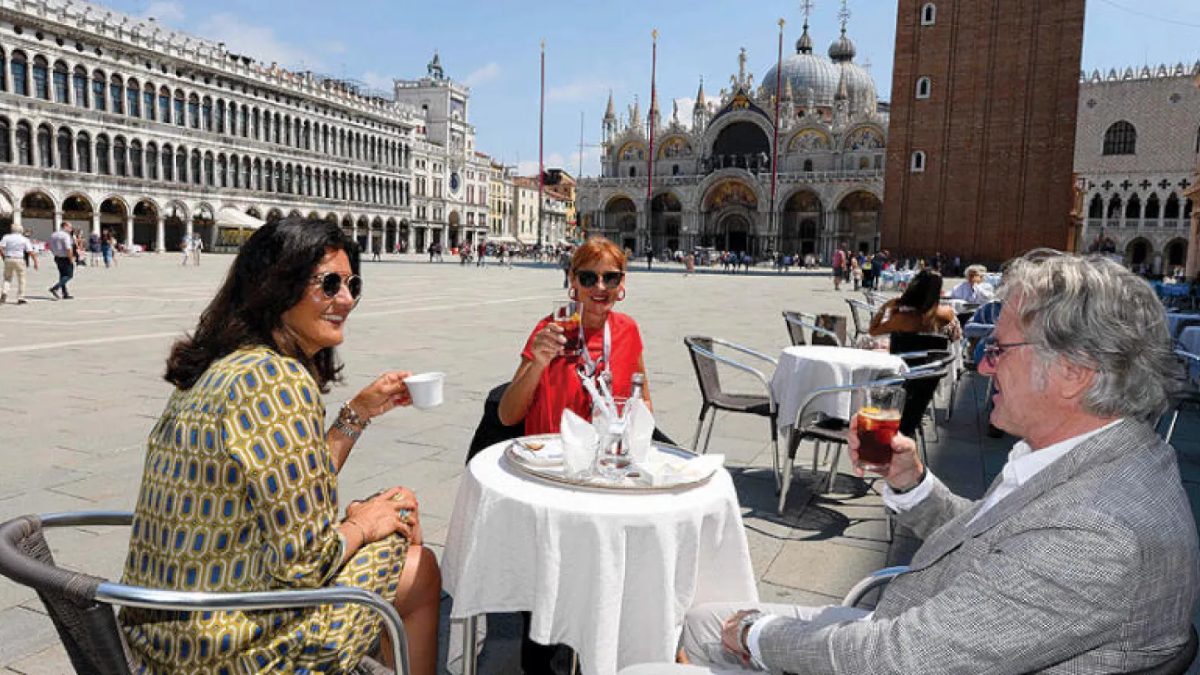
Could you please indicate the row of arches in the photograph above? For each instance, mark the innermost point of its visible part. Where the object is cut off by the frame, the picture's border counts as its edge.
(154, 226)
(1136, 210)
(69, 150)
(1141, 252)
(96, 89)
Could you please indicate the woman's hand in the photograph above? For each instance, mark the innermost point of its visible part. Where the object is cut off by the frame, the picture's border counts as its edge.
(385, 393)
(391, 511)
(548, 344)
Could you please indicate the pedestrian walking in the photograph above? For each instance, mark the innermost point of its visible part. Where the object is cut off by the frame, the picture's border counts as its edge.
(109, 249)
(689, 262)
(16, 247)
(185, 247)
(197, 247)
(839, 264)
(649, 258)
(94, 249)
(62, 245)
(481, 251)
(564, 263)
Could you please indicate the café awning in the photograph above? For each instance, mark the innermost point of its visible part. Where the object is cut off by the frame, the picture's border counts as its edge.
(229, 216)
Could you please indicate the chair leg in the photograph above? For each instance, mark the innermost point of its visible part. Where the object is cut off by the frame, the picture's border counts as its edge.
(1171, 426)
(707, 437)
(833, 466)
(775, 453)
(816, 456)
(699, 428)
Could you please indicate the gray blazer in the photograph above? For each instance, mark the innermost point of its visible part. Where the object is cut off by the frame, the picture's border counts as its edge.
(1090, 567)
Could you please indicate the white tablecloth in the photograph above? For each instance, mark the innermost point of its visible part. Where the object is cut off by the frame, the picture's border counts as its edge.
(804, 368)
(610, 574)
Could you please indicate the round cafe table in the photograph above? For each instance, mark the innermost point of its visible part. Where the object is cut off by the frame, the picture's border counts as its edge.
(609, 573)
(803, 368)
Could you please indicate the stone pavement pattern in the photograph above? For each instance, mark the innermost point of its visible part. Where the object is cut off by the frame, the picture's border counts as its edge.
(82, 382)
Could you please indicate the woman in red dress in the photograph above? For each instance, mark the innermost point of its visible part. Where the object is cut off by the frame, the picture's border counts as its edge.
(546, 382)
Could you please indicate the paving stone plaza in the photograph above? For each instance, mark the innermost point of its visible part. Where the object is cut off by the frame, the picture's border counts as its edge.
(82, 386)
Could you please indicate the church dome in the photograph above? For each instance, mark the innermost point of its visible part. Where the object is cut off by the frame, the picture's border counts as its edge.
(842, 49)
(860, 86)
(806, 72)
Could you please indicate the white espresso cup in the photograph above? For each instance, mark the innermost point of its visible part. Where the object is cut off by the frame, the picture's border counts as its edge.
(425, 389)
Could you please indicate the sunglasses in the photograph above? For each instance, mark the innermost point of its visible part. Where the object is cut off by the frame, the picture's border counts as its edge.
(588, 278)
(331, 284)
(994, 350)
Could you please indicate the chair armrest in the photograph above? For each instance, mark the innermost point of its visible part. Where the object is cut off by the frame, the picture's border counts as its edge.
(149, 598)
(816, 329)
(746, 350)
(876, 579)
(817, 393)
(738, 366)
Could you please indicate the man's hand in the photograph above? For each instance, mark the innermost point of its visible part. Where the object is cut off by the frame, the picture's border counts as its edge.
(906, 467)
(731, 635)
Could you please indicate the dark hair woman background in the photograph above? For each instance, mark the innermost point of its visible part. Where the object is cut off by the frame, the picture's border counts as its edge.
(239, 489)
(918, 310)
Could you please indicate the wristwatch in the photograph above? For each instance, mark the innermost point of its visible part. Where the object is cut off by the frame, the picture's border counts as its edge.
(744, 625)
(912, 487)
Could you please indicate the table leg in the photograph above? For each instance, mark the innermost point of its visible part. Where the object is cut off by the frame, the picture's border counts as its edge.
(470, 665)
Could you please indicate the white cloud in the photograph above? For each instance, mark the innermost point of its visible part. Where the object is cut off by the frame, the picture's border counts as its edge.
(258, 42)
(376, 81)
(583, 90)
(165, 12)
(482, 75)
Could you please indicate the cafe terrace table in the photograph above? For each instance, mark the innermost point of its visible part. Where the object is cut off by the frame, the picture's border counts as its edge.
(609, 573)
(803, 368)
(1175, 319)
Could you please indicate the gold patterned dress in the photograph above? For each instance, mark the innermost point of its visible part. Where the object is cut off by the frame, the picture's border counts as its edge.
(239, 493)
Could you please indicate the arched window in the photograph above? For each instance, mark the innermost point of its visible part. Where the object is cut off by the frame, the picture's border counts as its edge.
(168, 162)
(222, 171)
(164, 104)
(116, 90)
(135, 159)
(208, 168)
(196, 169)
(235, 171)
(632, 171)
(148, 102)
(179, 103)
(278, 124)
(60, 82)
(5, 141)
(1114, 208)
(233, 119)
(66, 153)
(79, 86)
(206, 113)
(674, 169)
(924, 87)
(193, 111)
(41, 78)
(257, 125)
(1152, 209)
(1120, 139)
(220, 128)
(258, 174)
(133, 98)
(83, 153)
(269, 175)
(45, 147)
(918, 162)
(1096, 207)
(119, 157)
(928, 14)
(24, 144)
(1133, 209)
(152, 161)
(3, 71)
(1171, 210)
(99, 93)
(20, 74)
(102, 166)
(244, 122)
(246, 172)
(181, 165)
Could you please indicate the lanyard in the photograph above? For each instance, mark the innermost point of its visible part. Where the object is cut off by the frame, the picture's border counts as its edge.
(590, 368)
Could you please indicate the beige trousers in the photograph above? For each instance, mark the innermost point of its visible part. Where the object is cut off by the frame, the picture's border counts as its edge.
(14, 268)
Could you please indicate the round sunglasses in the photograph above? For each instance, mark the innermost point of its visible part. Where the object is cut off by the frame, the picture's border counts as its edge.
(588, 278)
(331, 284)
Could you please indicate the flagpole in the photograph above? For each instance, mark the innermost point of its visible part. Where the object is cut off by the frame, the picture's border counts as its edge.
(777, 239)
(653, 120)
(541, 147)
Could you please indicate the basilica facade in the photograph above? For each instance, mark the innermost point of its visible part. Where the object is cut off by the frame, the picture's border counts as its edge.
(711, 181)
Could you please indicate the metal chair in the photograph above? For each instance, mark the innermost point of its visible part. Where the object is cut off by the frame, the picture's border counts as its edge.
(798, 322)
(81, 605)
(705, 361)
(859, 310)
(1188, 395)
(875, 580)
(920, 349)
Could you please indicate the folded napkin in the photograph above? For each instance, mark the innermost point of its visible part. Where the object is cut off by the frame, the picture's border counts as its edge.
(550, 454)
(579, 440)
(664, 469)
(639, 430)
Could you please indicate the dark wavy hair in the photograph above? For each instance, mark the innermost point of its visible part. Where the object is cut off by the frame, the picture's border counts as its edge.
(269, 276)
(923, 292)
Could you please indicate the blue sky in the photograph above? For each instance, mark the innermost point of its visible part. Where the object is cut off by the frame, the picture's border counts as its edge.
(593, 47)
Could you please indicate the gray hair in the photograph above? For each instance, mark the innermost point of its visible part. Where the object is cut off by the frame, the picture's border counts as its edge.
(1095, 313)
(981, 270)
(16, 228)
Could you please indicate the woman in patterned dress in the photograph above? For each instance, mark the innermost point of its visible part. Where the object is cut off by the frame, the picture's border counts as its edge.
(239, 490)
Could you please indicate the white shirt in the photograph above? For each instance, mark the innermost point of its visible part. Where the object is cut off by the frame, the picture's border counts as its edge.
(61, 244)
(1023, 464)
(15, 246)
(979, 293)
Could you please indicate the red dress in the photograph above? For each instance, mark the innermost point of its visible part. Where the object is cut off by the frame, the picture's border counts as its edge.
(559, 386)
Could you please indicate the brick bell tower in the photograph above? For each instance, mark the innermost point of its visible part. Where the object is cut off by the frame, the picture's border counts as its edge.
(982, 132)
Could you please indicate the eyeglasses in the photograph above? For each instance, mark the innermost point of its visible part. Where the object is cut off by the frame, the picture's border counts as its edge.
(331, 284)
(994, 350)
(588, 278)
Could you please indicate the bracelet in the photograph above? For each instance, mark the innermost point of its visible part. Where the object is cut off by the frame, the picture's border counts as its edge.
(349, 423)
(361, 531)
(912, 487)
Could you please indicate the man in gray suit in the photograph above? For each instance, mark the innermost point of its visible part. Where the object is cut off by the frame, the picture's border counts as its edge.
(1082, 555)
